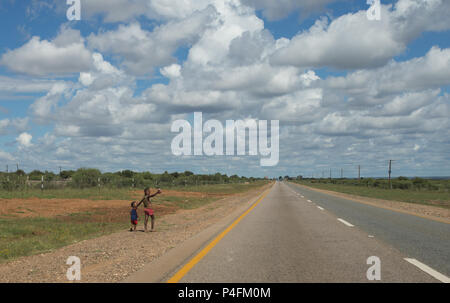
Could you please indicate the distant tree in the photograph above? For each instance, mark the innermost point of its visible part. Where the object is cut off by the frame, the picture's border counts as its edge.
(35, 175)
(127, 173)
(166, 177)
(217, 177)
(86, 177)
(420, 183)
(147, 175)
(20, 172)
(49, 176)
(66, 174)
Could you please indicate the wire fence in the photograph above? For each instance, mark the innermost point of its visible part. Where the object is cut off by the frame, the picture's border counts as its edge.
(93, 178)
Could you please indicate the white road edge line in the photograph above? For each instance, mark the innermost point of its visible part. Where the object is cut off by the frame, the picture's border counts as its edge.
(321, 208)
(345, 222)
(429, 270)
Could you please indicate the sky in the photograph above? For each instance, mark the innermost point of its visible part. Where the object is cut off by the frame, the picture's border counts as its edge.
(103, 91)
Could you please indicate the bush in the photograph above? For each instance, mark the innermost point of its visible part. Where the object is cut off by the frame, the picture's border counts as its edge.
(66, 174)
(49, 176)
(36, 175)
(402, 184)
(86, 177)
(127, 173)
(147, 175)
(20, 173)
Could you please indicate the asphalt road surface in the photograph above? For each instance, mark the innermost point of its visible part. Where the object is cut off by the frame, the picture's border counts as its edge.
(299, 235)
(423, 239)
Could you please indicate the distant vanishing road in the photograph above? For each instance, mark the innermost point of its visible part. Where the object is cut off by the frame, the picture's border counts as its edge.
(298, 235)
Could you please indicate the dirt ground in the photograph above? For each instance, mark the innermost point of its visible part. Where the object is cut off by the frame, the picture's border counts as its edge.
(114, 257)
(111, 209)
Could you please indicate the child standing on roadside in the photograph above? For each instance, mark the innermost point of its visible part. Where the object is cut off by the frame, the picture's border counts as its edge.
(148, 210)
(134, 216)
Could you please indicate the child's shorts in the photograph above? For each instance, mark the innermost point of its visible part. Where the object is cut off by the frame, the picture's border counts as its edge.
(134, 222)
(149, 211)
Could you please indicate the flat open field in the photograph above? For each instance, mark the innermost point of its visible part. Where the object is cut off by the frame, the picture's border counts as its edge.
(122, 193)
(56, 218)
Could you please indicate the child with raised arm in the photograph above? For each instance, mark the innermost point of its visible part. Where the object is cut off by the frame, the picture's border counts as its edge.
(148, 210)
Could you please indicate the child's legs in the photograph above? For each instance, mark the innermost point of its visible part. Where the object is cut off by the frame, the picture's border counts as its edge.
(145, 221)
(153, 221)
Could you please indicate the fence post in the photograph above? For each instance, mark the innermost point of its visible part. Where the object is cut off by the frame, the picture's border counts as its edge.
(42, 182)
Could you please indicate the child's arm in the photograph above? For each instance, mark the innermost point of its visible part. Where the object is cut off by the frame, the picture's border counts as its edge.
(142, 200)
(157, 193)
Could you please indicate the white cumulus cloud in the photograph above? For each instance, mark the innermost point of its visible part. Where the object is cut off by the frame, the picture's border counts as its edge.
(24, 140)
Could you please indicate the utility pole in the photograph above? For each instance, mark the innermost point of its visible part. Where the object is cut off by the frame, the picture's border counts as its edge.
(330, 173)
(390, 170)
(342, 173)
(359, 173)
(6, 168)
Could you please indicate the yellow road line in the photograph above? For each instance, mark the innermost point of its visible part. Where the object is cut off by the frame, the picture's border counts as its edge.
(186, 268)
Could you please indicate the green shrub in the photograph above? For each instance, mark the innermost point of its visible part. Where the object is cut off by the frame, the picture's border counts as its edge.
(86, 177)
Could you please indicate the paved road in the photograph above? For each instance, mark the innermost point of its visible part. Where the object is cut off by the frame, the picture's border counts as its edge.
(423, 239)
(285, 238)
